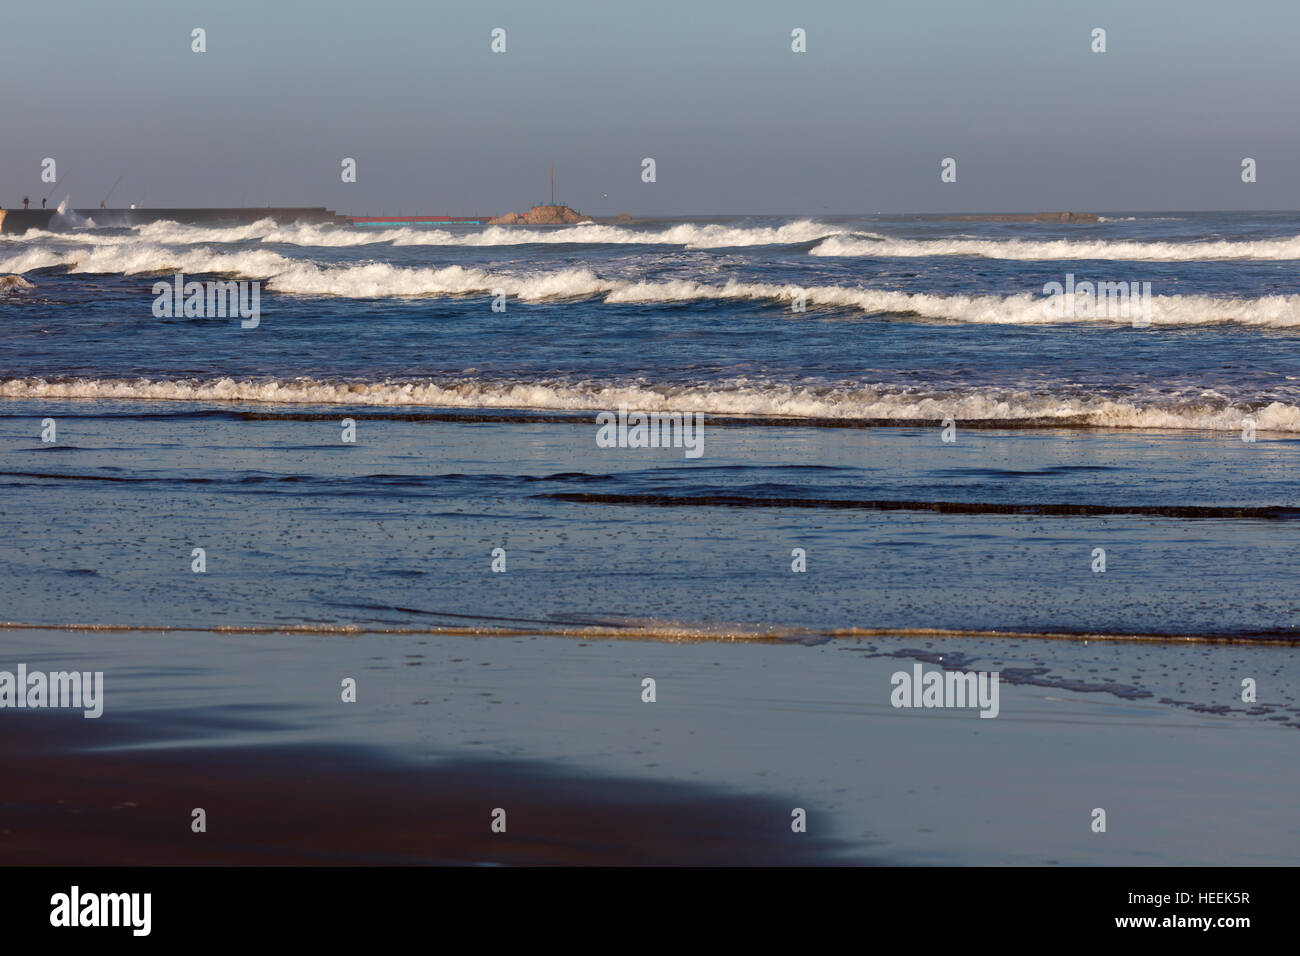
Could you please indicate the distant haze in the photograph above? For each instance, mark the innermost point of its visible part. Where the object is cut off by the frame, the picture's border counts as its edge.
(735, 121)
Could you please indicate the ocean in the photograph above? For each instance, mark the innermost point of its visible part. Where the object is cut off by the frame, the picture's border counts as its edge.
(824, 428)
(910, 448)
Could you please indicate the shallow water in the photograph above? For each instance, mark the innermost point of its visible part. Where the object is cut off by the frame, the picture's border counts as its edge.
(899, 529)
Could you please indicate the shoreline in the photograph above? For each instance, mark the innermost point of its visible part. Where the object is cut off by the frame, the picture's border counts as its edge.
(261, 409)
(681, 633)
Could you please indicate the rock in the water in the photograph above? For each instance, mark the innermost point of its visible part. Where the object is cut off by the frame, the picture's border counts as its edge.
(540, 216)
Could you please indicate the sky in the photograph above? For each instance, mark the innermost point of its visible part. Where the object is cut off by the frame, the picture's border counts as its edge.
(736, 122)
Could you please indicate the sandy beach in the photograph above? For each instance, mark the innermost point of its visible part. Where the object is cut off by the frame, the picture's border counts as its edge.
(447, 729)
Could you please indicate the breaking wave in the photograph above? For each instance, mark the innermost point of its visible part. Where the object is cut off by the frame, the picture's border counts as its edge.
(832, 241)
(1026, 249)
(371, 280)
(878, 404)
(267, 231)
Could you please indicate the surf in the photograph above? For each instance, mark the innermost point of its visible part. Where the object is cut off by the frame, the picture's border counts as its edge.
(772, 403)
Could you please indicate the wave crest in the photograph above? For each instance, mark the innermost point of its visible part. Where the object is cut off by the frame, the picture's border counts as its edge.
(268, 231)
(370, 280)
(1029, 250)
(876, 403)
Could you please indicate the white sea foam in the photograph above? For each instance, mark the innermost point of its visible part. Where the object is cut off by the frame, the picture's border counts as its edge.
(689, 235)
(383, 280)
(267, 231)
(1189, 411)
(1027, 249)
(138, 257)
(835, 241)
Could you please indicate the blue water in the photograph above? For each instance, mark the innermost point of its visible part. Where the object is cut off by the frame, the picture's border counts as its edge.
(1223, 343)
(827, 526)
(475, 427)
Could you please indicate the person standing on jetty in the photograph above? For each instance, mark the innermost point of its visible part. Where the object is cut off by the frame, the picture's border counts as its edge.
(26, 202)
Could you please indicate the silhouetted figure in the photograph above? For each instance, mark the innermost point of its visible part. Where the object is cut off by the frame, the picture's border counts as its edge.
(26, 202)
(101, 204)
(42, 202)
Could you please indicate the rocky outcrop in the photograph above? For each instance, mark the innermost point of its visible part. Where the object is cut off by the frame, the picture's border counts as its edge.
(540, 216)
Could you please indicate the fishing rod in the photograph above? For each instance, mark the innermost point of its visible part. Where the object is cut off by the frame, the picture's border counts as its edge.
(103, 201)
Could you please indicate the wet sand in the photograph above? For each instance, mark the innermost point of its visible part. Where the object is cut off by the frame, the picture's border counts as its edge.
(447, 728)
(319, 805)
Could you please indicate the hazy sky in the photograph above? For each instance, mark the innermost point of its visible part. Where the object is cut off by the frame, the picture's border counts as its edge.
(736, 122)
